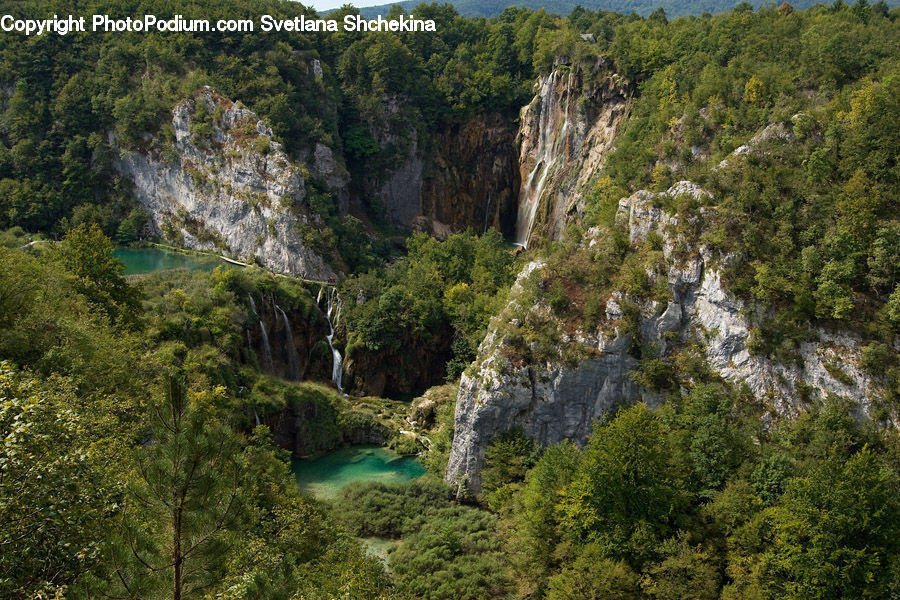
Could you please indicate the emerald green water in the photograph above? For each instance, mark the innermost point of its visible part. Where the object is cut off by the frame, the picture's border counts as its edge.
(139, 261)
(323, 477)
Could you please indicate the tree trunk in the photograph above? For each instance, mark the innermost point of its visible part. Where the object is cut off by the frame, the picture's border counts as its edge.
(177, 558)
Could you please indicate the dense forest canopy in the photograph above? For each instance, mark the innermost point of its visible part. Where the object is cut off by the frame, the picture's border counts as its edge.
(135, 456)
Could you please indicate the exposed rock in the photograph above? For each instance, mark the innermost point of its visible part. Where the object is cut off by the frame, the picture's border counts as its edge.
(472, 179)
(225, 185)
(465, 176)
(780, 131)
(401, 192)
(397, 371)
(552, 402)
(564, 136)
(306, 332)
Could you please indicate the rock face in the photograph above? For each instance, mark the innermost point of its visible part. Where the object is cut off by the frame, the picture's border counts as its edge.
(464, 176)
(294, 339)
(221, 183)
(564, 136)
(555, 401)
(473, 178)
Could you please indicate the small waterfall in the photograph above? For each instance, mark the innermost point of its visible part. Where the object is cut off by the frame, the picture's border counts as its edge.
(336, 363)
(268, 366)
(256, 418)
(551, 148)
(267, 349)
(293, 360)
(319, 297)
(487, 213)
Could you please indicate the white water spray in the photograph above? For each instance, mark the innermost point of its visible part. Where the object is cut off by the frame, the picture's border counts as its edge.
(337, 359)
(551, 154)
(293, 359)
(268, 366)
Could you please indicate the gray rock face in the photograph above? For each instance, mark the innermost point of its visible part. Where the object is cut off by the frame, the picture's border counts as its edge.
(401, 192)
(225, 185)
(553, 402)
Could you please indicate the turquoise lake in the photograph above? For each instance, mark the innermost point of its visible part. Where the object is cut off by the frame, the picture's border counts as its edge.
(323, 477)
(140, 261)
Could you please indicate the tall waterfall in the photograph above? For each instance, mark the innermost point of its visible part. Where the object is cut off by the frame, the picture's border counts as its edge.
(551, 152)
(334, 307)
(268, 366)
(293, 359)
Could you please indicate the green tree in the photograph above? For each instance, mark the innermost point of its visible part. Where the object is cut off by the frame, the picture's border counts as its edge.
(88, 254)
(54, 500)
(184, 504)
(624, 494)
(836, 532)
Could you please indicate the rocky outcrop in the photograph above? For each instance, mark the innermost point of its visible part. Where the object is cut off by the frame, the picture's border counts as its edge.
(222, 183)
(412, 368)
(564, 136)
(556, 400)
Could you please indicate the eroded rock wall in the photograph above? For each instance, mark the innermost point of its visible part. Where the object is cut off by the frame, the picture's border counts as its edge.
(564, 136)
(554, 401)
(223, 184)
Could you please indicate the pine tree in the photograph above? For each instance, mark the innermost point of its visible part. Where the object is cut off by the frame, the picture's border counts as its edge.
(184, 507)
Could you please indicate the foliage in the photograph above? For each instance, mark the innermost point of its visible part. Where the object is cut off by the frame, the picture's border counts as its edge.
(448, 551)
(53, 498)
(441, 291)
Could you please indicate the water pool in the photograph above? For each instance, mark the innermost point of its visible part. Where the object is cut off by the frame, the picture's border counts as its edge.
(323, 477)
(140, 261)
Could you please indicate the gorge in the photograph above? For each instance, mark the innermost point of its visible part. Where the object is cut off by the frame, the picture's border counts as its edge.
(528, 307)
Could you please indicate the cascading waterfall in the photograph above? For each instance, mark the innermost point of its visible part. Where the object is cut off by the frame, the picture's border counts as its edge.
(268, 366)
(337, 359)
(551, 146)
(293, 359)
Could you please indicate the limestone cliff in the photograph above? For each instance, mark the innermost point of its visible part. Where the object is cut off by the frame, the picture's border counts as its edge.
(558, 400)
(220, 182)
(564, 136)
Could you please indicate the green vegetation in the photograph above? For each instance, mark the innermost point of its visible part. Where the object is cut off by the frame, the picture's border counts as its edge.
(439, 297)
(495, 8)
(132, 463)
(448, 551)
(128, 464)
(680, 503)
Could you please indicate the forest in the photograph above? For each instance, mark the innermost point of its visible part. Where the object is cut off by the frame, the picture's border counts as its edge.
(144, 447)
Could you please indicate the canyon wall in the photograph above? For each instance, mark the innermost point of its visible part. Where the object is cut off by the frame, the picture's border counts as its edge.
(464, 175)
(565, 133)
(221, 183)
(556, 400)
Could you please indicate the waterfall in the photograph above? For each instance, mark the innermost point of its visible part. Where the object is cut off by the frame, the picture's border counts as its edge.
(487, 212)
(336, 356)
(319, 297)
(267, 349)
(293, 360)
(551, 148)
(256, 418)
